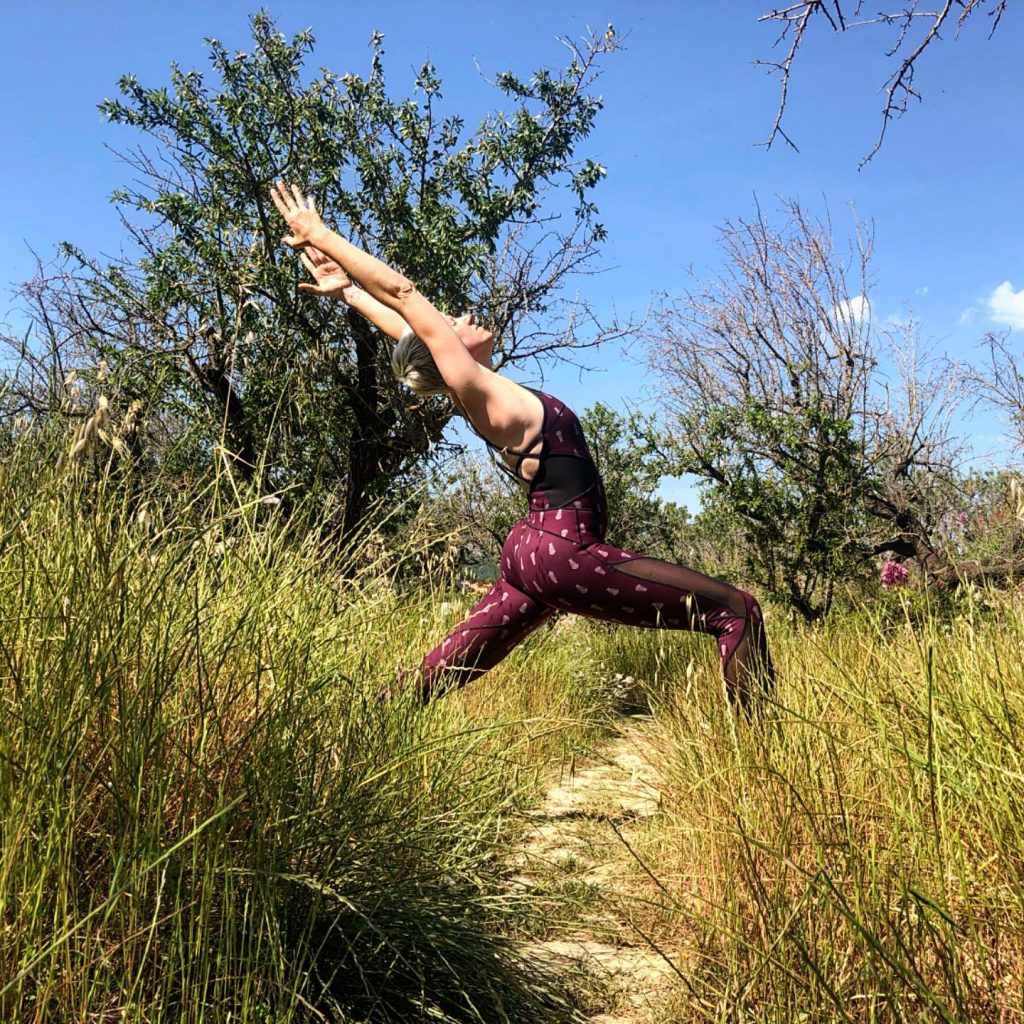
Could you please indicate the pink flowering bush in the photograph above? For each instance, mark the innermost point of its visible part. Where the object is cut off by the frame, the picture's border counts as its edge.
(894, 574)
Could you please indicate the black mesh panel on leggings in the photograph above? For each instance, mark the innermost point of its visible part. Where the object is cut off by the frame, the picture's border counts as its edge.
(708, 606)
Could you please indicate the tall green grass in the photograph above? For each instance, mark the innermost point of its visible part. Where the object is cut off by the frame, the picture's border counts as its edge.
(208, 814)
(859, 854)
(206, 811)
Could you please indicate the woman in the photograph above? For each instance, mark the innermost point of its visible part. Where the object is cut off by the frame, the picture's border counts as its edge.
(556, 559)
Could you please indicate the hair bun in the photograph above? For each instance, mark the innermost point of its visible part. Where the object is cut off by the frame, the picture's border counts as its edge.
(414, 366)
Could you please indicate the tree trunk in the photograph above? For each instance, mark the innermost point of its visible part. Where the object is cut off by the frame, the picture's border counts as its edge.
(366, 451)
(237, 436)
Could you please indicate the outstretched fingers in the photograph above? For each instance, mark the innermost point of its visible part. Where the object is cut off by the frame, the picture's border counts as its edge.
(281, 199)
(331, 279)
(316, 286)
(313, 257)
(301, 201)
(290, 199)
(298, 212)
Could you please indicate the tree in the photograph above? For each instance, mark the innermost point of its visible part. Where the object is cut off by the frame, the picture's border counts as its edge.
(632, 467)
(1000, 383)
(912, 28)
(820, 436)
(202, 321)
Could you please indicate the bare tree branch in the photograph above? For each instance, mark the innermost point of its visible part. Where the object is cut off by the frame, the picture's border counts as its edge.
(826, 435)
(1000, 383)
(796, 20)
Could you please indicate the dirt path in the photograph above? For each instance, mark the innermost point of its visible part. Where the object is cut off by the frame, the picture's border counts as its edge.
(578, 845)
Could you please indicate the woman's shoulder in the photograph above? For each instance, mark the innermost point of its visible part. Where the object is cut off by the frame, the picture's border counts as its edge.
(504, 409)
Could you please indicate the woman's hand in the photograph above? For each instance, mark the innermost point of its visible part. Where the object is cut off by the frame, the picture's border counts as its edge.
(299, 213)
(331, 280)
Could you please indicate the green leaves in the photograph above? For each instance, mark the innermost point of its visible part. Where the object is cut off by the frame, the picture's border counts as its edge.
(794, 483)
(303, 398)
(632, 467)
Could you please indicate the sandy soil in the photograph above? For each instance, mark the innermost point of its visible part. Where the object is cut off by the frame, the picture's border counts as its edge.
(581, 836)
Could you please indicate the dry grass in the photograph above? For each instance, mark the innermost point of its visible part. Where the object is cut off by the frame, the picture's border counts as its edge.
(207, 813)
(860, 855)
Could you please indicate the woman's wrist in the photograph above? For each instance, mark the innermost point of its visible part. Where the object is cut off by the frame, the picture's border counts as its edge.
(351, 295)
(318, 236)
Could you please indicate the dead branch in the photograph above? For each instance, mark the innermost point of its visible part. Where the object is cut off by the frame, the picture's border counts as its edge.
(913, 29)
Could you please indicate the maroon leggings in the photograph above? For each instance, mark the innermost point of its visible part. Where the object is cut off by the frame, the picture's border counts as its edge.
(556, 559)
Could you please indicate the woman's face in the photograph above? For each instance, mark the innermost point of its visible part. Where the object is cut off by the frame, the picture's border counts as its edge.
(477, 339)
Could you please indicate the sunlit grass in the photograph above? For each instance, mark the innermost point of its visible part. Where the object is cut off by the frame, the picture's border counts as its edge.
(206, 810)
(858, 855)
(208, 813)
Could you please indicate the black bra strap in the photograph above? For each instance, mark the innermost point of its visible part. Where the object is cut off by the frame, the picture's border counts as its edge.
(514, 471)
(520, 454)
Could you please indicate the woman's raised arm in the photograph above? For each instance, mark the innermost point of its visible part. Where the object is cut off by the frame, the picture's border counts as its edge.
(461, 372)
(333, 283)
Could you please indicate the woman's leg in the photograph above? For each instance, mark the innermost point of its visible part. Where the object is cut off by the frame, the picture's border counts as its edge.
(501, 619)
(603, 581)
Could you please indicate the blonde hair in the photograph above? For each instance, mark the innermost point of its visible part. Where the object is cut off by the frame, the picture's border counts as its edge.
(414, 366)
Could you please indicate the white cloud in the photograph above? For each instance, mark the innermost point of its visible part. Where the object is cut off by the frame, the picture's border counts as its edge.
(853, 311)
(923, 290)
(1006, 307)
(898, 321)
(966, 316)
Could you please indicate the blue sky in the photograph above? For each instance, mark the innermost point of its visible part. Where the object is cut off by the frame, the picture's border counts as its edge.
(685, 109)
